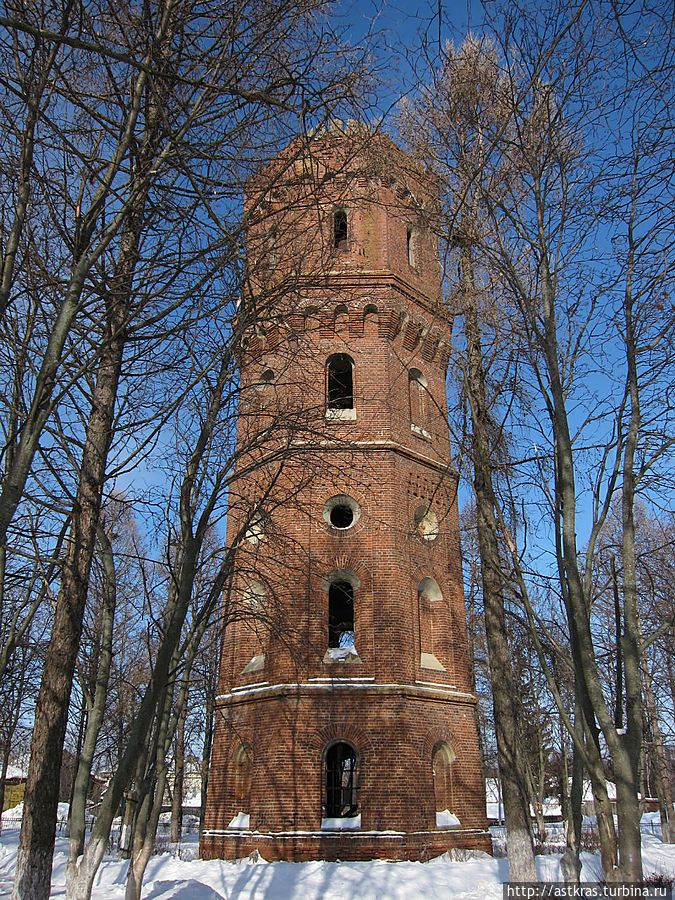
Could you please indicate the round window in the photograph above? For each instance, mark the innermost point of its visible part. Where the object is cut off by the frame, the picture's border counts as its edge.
(426, 523)
(341, 512)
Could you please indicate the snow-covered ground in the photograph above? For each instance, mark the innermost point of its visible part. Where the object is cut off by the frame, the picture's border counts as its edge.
(172, 878)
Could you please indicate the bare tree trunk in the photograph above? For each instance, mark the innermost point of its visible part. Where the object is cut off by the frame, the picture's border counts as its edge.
(663, 791)
(150, 807)
(80, 884)
(34, 858)
(169, 721)
(670, 656)
(536, 789)
(178, 777)
(95, 717)
(519, 841)
(626, 755)
(209, 714)
(570, 863)
(38, 828)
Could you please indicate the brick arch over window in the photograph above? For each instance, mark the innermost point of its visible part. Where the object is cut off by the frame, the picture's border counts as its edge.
(349, 567)
(337, 732)
(434, 737)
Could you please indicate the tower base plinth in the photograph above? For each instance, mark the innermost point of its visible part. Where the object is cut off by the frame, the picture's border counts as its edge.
(331, 846)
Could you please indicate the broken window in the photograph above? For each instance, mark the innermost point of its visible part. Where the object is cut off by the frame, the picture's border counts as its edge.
(340, 382)
(341, 791)
(341, 516)
(341, 614)
(340, 229)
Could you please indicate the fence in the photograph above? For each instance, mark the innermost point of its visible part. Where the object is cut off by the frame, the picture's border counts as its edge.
(555, 835)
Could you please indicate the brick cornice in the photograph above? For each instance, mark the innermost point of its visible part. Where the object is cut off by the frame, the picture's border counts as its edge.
(378, 446)
(258, 692)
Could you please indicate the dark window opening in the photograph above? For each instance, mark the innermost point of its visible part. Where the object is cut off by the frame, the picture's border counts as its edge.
(341, 614)
(341, 516)
(340, 229)
(340, 382)
(410, 247)
(417, 393)
(341, 796)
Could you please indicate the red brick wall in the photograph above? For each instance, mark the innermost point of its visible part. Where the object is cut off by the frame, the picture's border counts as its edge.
(393, 710)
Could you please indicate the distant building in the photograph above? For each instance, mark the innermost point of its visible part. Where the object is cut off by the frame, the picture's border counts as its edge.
(15, 787)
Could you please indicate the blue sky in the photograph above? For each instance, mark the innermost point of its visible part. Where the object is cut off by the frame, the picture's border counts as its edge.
(402, 27)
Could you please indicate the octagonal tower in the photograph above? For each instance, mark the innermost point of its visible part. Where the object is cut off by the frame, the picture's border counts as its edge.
(345, 723)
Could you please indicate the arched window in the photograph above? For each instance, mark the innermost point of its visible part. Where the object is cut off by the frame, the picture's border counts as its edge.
(441, 763)
(410, 245)
(370, 320)
(429, 598)
(340, 381)
(243, 768)
(341, 318)
(311, 319)
(254, 596)
(417, 392)
(340, 235)
(265, 381)
(340, 614)
(341, 799)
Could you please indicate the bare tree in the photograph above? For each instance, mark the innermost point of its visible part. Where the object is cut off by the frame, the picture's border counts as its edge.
(159, 231)
(545, 182)
(446, 130)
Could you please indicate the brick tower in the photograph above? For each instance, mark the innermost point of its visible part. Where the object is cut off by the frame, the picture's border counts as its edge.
(345, 719)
